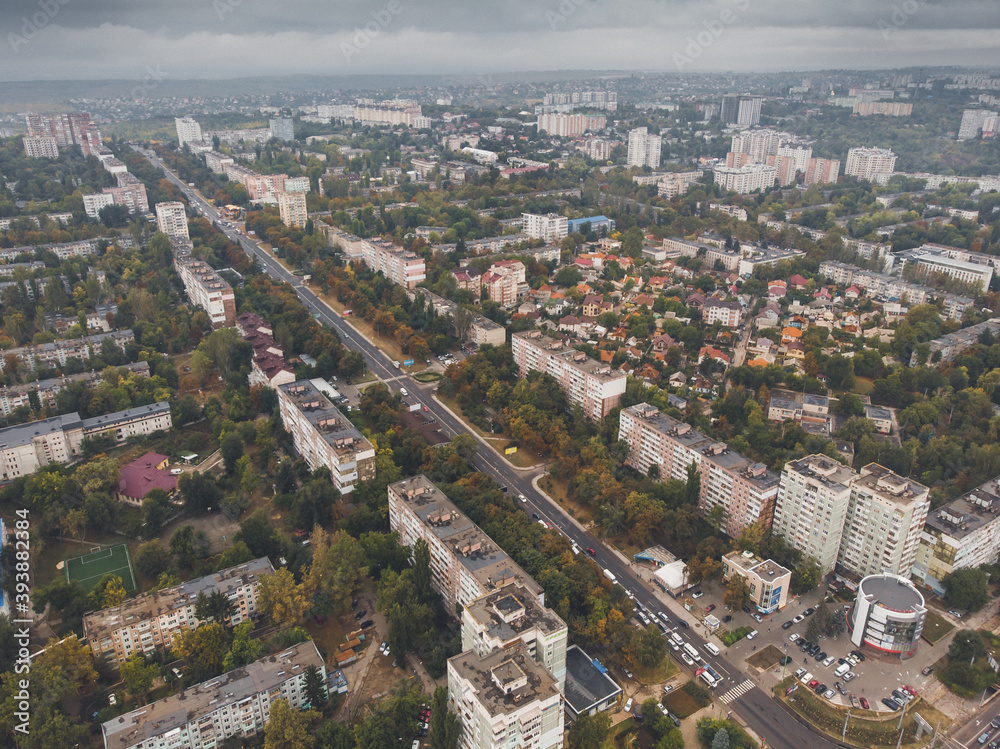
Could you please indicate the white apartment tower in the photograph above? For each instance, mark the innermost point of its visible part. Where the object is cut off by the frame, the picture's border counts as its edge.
(292, 207)
(644, 148)
(550, 227)
(188, 131)
(884, 521)
(811, 507)
(865, 163)
(171, 219)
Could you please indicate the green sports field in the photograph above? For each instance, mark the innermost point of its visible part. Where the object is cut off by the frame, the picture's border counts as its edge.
(89, 568)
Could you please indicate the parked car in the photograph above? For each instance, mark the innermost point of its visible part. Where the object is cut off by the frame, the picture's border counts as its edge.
(727, 618)
(674, 718)
(984, 738)
(839, 687)
(668, 688)
(627, 708)
(829, 694)
(850, 675)
(927, 670)
(957, 614)
(752, 634)
(813, 684)
(757, 618)
(798, 618)
(864, 703)
(746, 609)
(910, 690)
(809, 611)
(799, 672)
(360, 615)
(787, 624)
(628, 673)
(697, 594)
(710, 608)
(821, 689)
(890, 703)
(828, 662)
(367, 624)
(820, 656)
(793, 637)
(785, 660)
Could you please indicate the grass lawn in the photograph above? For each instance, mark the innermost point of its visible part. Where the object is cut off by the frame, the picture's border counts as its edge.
(657, 675)
(681, 704)
(557, 489)
(863, 386)
(936, 627)
(522, 458)
(427, 376)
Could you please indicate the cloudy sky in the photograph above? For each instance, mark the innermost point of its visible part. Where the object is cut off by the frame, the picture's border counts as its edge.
(73, 39)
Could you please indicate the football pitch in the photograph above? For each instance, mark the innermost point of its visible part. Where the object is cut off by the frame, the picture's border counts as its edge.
(89, 568)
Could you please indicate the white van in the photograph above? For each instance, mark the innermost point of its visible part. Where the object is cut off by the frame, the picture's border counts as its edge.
(711, 648)
(610, 575)
(842, 669)
(708, 679)
(690, 650)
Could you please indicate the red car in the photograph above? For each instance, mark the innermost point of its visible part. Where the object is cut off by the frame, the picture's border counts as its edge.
(864, 704)
(710, 607)
(591, 552)
(911, 690)
(814, 683)
(426, 409)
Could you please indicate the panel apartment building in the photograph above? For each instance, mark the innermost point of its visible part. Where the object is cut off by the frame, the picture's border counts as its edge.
(171, 219)
(324, 437)
(745, 490)
(884, 522)
(149, 621)
(397, 264)
(237, 703)
(466, 564)
(57, 353)
(207, 290)
(590, 384)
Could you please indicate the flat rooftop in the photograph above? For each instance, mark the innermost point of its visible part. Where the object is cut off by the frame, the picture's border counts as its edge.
(334, 427)
(576, 359)
(678, 430)
(890, 486)
(748, 562)
(178, 710)
(586, 684)
(124, 417)
(968, 513)
(892, 592)
(824, 470)
(505, 680)
(511, 610)
(99, 624)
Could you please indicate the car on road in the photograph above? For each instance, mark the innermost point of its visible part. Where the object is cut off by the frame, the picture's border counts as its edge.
(891, 703)
(798, 618)
(710, 608)
(591, 551)
(787, 624)
(793, 637)
(864, 703)
(683, 624)
(426, 409)
(697, 594)
(522, 498)
(687, 659)
(663, 616)
(628, 705)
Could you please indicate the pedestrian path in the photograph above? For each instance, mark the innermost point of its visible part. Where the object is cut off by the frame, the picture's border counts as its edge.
(738, 691)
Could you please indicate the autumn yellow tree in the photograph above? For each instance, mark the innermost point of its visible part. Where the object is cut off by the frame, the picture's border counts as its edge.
(289, 729)
(282, 600)
(114, 593)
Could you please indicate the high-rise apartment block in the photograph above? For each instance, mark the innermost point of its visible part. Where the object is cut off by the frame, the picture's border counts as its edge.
(323, 436)
(549, 227)
(570, 125)
(743, 489)
(68, 128)
(236, 704)
(963, 533)
(972, 122)
(884, 521)
(466, 564)
(218, 162)
(741, 109)
(598, 149)
(747, 178)
(594, 386)
(171, 219)
(207, 290)
(644, 148)
(758, 144)
(41, 147)
(865, 163)
(811, 507)
(505, 282)
(822, 172)
(282, 128)
(188, 130)
(150, 621)
(292, 207)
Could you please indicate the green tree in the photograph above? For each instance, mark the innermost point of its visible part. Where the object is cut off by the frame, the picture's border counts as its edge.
(138, 675)
(151, 558)
(589, 731)
(289, 729)
(967, 588)
(721, 739)
(315, 689)
(260, 536)
(445, 728)
(215, 606)
(232, 451)
(967, 645)
(422, 568)
(244, 648)
(837, 624)
(814, 629)
(806, 576)
(737, 593)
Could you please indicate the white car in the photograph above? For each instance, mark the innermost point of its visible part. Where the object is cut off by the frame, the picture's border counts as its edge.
(522, 498)
(687, 659)
(668, 688)
(799, 672)
(697, 594)
(829, 661)
(798, 618)
(402, 392)
(673, 645)
(753, 634)
(793, 637)
(628, 705)
(849, 675)
(829, 694)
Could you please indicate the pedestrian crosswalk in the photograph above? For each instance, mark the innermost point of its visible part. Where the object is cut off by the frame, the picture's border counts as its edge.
(738, 691)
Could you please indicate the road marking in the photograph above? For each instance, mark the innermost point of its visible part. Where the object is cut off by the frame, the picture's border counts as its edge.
(738, 691)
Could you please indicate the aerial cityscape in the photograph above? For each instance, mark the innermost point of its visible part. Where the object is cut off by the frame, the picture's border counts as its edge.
(584, 375)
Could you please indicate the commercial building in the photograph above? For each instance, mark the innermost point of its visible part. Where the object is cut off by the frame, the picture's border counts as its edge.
(503, 617)
(767, 580)
(822, 172)
(811, 508)
(590, 384)
(323, 436)
(549, 227)
(292, 207)
(596, 223)
(171, 219)
(865, 163)
(644, 148)
(741, 109)
(570, 125)
(57, 353)
(206, 289)
(236, 704)
(397, 264)
(465, 563)
(884, 521)
(963, 533)
(589, 687)
(747, 178)
(973, 274)
(149, 622)
(282, 128)
(505, 282)
(888, 615)
(41, 147)
(505, 699)
(188, 131)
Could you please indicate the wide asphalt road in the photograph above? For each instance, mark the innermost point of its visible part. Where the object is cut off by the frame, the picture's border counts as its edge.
(780, 728)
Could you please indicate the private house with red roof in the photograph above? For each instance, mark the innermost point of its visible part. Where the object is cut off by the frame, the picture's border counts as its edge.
(708, 352)
(141, 476)
(798, 282)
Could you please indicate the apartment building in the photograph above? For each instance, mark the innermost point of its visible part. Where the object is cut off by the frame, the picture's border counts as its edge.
(397, 264)
(140, 421)
(188, 130)
(885, 518)
(972, 123)
(20, 396)
(57, 353)
(590, 384)
(505, 282)
(323, 436)
(94, 202)
(811, 507)
(41, 147)
(149, 622)
(644, 148)
(790, 405)
(570, 125)
(730, 314)
(282, 128)
(466, 564)
(292, 207)
(741, 109)
(481, 330)
(549, 227)
(27, 447)
(171, 219)
(946, 348)
(963, 533)
(505, 699)
(206, 289)
(767, 580)
(746, 179)
(395, 112)
(822, 172)
(865, 163)
(218, 162)
(974, 274)
(654, 438)
(598, 149)
(68, 129)
(297, 184)
(235, 704)
(501, 618)
(886, 108)
(677, 183)
(268, 367)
